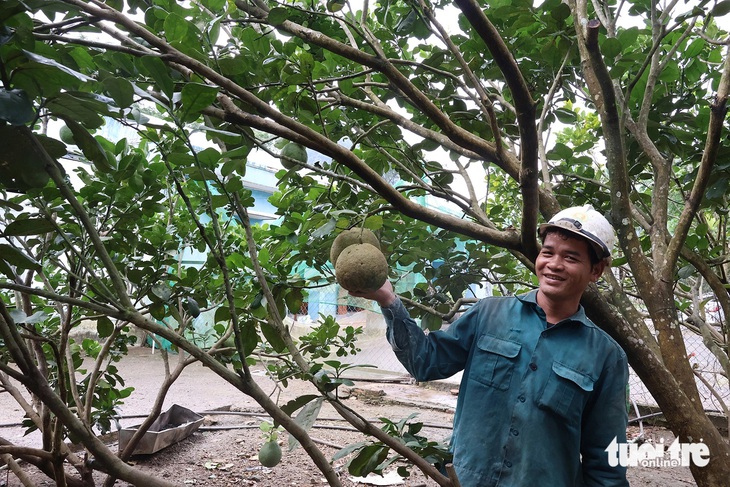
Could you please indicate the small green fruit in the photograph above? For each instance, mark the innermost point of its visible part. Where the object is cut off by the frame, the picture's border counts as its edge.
(230, 346)
(335, 5)
(351, 237)
(270, 454)
(193, 308)
(67, 137)
(293, 153)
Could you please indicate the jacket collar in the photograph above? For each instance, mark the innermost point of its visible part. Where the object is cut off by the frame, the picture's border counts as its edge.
(579, 316)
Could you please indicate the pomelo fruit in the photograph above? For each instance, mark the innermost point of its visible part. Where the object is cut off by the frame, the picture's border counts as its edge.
(292, 153)
(351, 237)
(270, 454)
(67, 137)
(361, 268)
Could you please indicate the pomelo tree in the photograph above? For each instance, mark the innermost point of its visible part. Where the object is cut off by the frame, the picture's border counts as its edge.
(451, 130)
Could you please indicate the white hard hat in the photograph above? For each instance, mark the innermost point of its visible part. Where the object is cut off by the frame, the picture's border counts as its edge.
(586, 222)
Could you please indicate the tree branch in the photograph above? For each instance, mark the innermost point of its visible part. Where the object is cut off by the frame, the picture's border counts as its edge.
(528, 177)
(718, 110)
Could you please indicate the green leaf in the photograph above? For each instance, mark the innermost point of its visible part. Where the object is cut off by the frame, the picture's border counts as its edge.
(721, 9)
(6, 270)
(367, 460)
(14, 257)
(628, 37)
(249, 338)
(50, 62)
(158, 311)
(294, 299)
(6, 33)
(702, 229)
(195, 97)
(157, 70)
(431, 322)
(560, 151)
(91, 147)
(346, 451)
(83, 108)
(566, 116)
(209, 157)
(686, 272)
(611, 47)
(15, 107)
(233, 165)
(324, 230)
(299, 402)
(18, 315)
(23, 159)
(161, 291)
(273, 337)
(278, 15)
(306, 418)
(374, 223)
(406, 23)
(37, 317)
(215, 5)
(29, 226)
(121, 90)
(560, 12)
(176, 27)
(104, 327)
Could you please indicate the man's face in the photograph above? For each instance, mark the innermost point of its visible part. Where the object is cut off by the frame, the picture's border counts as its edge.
(564, 267)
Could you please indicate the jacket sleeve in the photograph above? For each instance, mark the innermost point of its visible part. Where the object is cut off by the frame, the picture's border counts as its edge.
(432, 356)
(604, 422)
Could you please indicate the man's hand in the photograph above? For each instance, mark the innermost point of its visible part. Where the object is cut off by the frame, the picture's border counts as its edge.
(385, 296)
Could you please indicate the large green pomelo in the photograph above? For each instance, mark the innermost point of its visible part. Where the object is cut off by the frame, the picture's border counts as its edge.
(361, 268)
(270, 454)
(351, 237)
(293, 150)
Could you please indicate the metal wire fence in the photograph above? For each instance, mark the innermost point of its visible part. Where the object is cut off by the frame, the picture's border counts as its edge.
(374, 350)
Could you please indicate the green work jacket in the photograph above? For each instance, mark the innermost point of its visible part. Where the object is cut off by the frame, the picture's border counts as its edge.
(537, 405)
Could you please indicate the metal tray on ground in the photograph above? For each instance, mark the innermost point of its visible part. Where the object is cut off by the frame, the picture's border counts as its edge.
(175, 424)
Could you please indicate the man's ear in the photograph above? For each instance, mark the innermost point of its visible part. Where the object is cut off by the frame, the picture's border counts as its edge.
(597, 270)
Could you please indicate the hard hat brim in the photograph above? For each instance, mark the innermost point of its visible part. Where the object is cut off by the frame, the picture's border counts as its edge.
(569, 225)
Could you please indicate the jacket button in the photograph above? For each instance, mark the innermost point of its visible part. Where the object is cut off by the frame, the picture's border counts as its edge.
(533, 366)
(508, 464)
(521, 398)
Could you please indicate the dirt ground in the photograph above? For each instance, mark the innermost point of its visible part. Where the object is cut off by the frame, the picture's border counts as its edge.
(224, 452)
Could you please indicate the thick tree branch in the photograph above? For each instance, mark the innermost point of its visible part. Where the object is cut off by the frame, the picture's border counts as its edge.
(525, 106)
(658, 296)
(615, 154)
(507, 238)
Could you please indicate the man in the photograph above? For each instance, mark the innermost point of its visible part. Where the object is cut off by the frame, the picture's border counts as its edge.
(543, 391)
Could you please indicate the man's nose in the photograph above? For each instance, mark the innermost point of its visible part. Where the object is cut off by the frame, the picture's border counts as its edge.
(556, 263)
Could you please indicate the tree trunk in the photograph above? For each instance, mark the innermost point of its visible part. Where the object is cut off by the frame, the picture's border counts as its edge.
(686, 421)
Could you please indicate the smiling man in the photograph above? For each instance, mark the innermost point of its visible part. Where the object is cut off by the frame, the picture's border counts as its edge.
(543, 392)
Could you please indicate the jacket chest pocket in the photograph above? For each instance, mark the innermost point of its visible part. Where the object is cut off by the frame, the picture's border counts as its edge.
(566, 391)
(494, 362)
